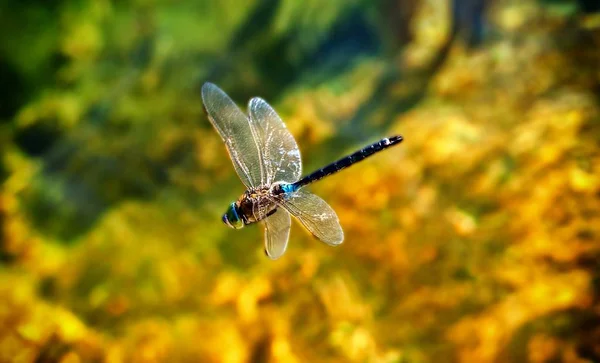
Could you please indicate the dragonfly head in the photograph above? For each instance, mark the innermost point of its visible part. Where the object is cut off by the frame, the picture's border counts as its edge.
(232, 218)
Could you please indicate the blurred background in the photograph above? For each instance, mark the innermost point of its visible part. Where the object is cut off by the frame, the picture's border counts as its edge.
(475, 240)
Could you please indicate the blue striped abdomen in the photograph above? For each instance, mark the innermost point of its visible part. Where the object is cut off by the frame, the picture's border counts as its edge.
(344, 162)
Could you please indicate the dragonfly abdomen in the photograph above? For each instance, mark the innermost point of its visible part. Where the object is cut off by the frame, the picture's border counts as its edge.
(347, 161)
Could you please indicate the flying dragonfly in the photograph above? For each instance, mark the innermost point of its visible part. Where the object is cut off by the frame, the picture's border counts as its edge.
(267, 160)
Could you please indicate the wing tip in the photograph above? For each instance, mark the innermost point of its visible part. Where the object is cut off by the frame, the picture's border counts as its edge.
(337, 243)
(209, 88)
(330, 242)
(208, 85)
(272, 258)
(255, 102)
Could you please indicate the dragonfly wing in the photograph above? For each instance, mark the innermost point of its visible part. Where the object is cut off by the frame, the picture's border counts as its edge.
(277, 232)
(234, 127)
(278, 150)
(316, 215)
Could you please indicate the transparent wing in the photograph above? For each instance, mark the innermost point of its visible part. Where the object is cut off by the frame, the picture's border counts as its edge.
(277, 232)
(316, 215)
(234, 127)
(278, 150)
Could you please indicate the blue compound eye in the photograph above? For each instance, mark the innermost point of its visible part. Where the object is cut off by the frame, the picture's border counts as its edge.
(231, 217)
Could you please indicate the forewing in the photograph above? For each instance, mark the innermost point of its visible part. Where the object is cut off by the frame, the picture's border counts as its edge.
(316, 215)
(234, 127)
(278, 150)
(277, 232)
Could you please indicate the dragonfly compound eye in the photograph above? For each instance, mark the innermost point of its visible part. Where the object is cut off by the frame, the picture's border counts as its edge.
(231, 217)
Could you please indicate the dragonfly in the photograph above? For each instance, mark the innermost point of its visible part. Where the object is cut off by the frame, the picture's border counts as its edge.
(267, 160)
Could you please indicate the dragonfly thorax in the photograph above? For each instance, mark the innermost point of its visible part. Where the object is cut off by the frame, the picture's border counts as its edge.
(254, 205)
(257, 204)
